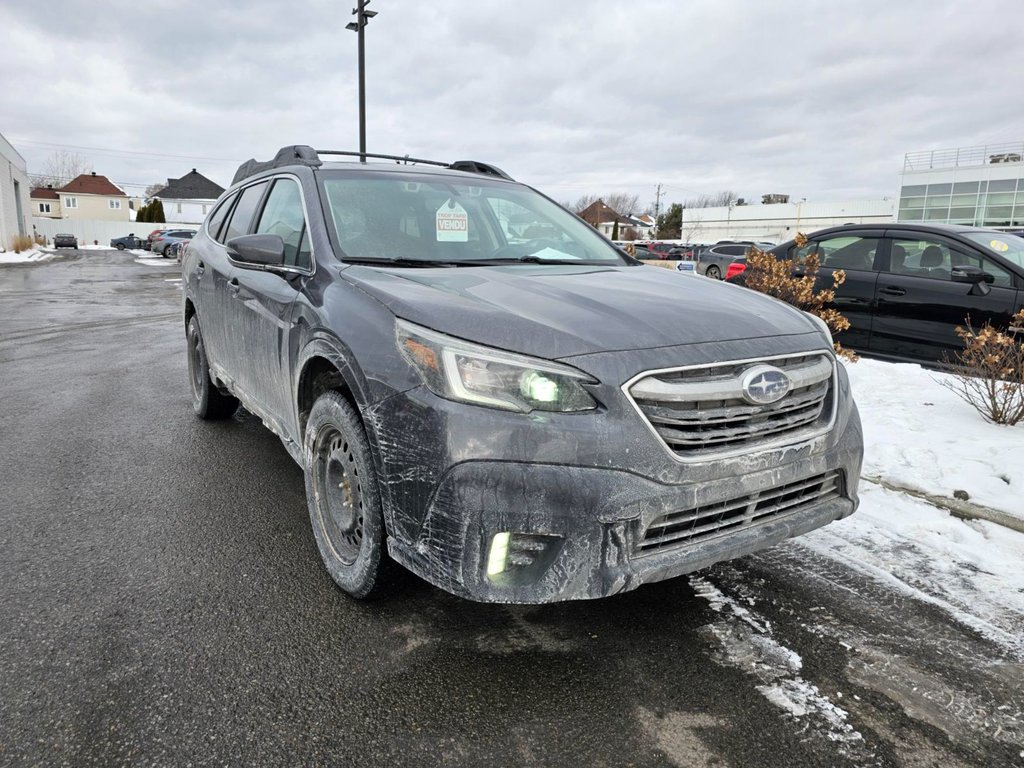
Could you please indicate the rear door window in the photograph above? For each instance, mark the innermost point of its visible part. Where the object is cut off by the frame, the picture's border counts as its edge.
(843, 252)
(216, 219)
(241, 217)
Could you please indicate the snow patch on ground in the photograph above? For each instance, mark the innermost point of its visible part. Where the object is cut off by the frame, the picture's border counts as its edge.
(25, 257)
(918, 434)
(747, 643)
(973, 570)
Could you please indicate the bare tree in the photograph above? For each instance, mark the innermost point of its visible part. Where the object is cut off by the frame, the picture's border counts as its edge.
(622, 203)
(60, 168)
(715, 200)
(152, 189)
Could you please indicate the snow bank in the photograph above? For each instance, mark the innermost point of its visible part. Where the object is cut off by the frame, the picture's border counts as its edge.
(971, 570)
(918, 434)
(25, 257)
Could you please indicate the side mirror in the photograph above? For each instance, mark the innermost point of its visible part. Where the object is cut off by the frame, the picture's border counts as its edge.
(977, 278)
(969, 274)
(257, 251)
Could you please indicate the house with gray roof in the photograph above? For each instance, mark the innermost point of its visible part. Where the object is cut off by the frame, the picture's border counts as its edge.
(187, 200)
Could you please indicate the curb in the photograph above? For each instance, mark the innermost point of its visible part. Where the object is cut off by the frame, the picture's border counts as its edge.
(961, 509)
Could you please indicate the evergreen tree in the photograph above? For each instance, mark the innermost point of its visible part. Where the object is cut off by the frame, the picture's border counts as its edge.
(158, 212)
(615, 230)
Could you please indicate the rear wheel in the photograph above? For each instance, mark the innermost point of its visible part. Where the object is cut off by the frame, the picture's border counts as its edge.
(208, 402)
(714, 272)
(343, 498)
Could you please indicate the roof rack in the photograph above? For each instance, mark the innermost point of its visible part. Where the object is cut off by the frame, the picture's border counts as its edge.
(301, 154)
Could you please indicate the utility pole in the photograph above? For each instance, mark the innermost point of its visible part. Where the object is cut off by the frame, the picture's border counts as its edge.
(657, 208)
(362, 17)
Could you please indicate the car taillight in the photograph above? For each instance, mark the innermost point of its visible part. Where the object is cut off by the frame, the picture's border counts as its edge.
(736, 268)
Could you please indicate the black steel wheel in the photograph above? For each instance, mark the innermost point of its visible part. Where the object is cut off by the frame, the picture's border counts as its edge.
(343, 497)
(208, 402)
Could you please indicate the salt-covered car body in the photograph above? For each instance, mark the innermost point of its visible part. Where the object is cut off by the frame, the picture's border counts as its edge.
(544, 417)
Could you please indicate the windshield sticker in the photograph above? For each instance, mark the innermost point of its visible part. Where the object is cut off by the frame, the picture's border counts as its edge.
(999, 245)
(452, 223)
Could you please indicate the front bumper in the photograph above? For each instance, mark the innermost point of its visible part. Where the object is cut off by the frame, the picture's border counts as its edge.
(590, 522)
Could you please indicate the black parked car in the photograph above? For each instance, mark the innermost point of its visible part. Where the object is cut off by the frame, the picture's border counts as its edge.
(65, 241)
(515, 417)
(128, 241)
(908, 286)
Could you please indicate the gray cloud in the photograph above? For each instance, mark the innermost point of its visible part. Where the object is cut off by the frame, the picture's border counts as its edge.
(817, 99)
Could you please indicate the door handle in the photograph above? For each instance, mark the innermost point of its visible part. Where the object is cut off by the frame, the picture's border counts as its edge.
(233, 286)
(894, 290)
(200, 267)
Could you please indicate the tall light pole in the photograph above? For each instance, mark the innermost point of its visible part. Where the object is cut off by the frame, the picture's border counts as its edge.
(362, 17)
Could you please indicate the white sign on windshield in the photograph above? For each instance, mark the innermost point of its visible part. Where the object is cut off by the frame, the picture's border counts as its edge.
(452, 223)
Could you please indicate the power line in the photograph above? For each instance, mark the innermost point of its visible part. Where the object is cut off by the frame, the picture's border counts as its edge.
(112, 151)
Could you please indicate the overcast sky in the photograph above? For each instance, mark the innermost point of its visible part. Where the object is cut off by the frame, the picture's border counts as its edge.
(815, 99)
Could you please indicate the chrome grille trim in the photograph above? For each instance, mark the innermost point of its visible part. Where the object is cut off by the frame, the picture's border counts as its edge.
(698, 414)
(704, 522)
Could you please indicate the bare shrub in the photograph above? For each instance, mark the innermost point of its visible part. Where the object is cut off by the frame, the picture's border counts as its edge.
(21, 243)
(989, 372)
(793, 282)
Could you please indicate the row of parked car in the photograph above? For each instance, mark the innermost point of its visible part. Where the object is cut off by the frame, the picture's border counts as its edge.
(908, 286)
(166, 242)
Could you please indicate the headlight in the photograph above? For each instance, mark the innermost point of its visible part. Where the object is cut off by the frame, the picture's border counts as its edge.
(460, 370)
(823, 327)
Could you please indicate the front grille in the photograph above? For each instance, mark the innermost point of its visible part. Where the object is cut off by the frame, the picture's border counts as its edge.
(701, 413)
(708, 521)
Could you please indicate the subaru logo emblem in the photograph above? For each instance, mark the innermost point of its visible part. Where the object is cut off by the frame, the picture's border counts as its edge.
(764, 385)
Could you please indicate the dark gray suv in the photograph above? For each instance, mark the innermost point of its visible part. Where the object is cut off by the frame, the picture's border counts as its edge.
(483, 389)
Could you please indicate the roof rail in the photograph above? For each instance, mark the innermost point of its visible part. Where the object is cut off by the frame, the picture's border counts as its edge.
(302, 154)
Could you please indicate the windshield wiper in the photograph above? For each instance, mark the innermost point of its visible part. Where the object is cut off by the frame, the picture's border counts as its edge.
(531, 259)
(402, 261)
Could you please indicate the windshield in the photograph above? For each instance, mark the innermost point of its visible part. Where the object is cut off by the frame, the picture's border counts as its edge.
(1010, 247)
(391, 217)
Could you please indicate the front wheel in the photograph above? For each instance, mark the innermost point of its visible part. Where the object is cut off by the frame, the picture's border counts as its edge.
(208, 402)
(120, 246)
(714, 272)
(343, 497)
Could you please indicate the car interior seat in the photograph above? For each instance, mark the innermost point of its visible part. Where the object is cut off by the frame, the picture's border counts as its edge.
(933, 260)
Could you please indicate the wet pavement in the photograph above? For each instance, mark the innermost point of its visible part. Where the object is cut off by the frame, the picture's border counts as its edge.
(162, 602)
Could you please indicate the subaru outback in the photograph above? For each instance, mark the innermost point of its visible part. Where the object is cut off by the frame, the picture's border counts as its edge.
(480, 387)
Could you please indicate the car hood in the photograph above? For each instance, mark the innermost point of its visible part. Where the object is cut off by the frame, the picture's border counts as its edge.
(561, 311)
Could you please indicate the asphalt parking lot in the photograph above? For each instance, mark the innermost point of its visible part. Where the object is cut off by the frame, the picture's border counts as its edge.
(163, 603)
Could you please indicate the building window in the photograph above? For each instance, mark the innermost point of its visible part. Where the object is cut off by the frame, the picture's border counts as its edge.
(115, 205)
(179, 207)
(70, 202)
(204, 209)
(44, 207)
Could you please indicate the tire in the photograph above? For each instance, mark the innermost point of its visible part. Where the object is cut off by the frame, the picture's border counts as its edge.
(344, 499)
(714, 272)
(208, 402)
(120, 246)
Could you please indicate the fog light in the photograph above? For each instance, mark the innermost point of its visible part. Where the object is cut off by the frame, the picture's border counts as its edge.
(520, 558)
(498, 554)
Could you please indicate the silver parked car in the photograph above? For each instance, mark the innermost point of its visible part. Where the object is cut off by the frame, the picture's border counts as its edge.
(715, 260)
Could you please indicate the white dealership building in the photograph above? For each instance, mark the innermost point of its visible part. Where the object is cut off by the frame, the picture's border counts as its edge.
(981, 186)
